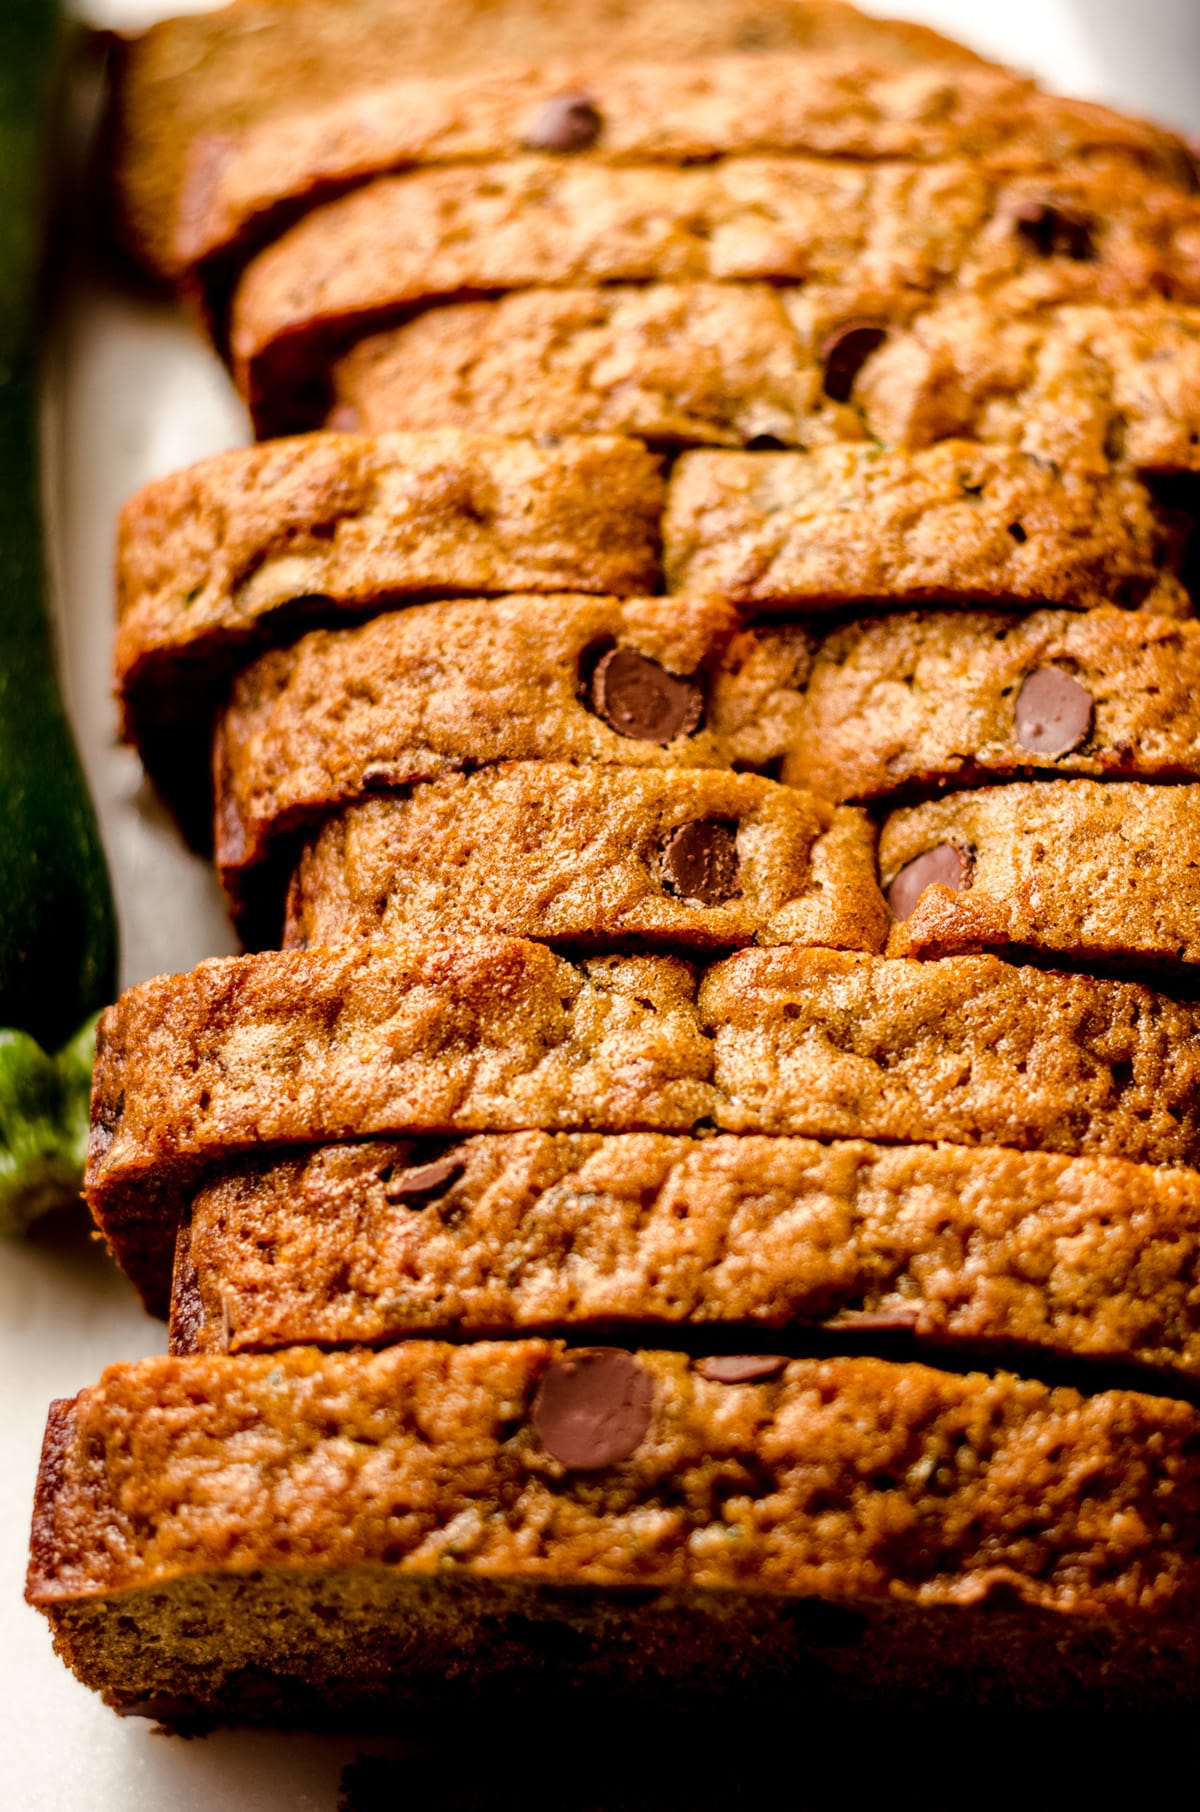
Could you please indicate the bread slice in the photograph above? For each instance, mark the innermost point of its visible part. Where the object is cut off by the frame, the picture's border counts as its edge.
(711, 364)
(272, 60)
(254, 541)
(695, 1239)
(1073, 869)
(915, 702)
(301, 1536)
(241, 191)
(500, 1035)
(594, 857)
(867, 241)
(414, 694)
(427, 1036)
(252, 546)
(954, 523)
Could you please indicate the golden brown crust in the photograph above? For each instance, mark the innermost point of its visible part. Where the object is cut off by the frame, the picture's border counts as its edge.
(241, 191)
(248, 541)
(496, 1034)
(924, 699)
(530, 1232)
(865, 239)
(274, 59)
(698, 364)
(956, 522)
(844, 1478)
(1092, 872)
(594, 856)
(418, 693)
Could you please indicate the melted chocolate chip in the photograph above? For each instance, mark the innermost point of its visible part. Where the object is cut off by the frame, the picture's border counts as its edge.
(741, 1368)
(593, 1407)
(639, 699)
(1054, 712)
(1053, 232)
(567, 122)
(900, 1320)
(419, 1185)
(700, 862)
(944, 864)
(845, 351)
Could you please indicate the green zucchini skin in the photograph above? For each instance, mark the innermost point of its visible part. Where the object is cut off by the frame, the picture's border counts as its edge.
(58, 942)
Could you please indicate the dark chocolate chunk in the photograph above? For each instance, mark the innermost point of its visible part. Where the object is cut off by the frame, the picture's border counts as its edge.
(418, 1185)
(943, 864)
(1054, 232)
(567, 122)
(741, 1368)
(845, 351)
(639, 699)
(593, 1407)
(700, 861)
(1054, 712)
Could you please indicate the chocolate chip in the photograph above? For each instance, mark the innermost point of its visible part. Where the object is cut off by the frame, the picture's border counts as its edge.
(741, 1368)
(845, 351)
(944, 864)
(1054, 712)
(700, 861)
(418, 1185)
(593, 1408)
(1053, 232)
(900, 1320)
(639, 699)
(567, 122)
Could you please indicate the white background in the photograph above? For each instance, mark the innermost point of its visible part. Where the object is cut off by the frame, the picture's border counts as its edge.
(136, 396)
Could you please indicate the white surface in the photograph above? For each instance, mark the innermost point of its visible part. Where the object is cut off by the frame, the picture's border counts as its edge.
(141, 396)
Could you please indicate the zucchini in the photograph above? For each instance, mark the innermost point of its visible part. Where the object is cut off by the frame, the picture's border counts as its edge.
(57, 923)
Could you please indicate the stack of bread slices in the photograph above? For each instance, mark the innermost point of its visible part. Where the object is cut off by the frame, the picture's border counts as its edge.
(699, 723)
